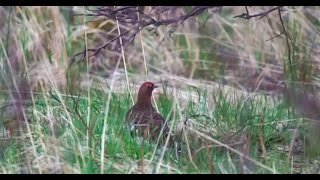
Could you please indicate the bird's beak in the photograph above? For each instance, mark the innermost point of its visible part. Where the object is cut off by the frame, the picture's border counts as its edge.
(155, 86)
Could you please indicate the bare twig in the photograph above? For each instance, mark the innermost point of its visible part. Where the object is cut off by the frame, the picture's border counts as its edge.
(95, 50)
(287, 39)
(202, 115)
(261, 15)
(127, 16)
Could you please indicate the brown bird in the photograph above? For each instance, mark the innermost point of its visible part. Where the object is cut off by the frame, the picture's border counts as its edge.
(144, 119)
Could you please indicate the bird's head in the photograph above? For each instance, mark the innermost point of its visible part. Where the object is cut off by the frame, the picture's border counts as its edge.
(146, 88)
(145, 92)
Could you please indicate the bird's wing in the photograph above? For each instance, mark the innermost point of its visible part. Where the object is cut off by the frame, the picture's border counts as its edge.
(136, 117)
(159, 121)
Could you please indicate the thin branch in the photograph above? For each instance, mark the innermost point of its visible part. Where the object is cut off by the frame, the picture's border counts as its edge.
(287, 39)
(96, 50)
(202, 115)
(128, 15)
(278, 35)
(261, 15)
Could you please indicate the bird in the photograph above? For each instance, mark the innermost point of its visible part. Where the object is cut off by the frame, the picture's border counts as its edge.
(305, 101)
(144, 119)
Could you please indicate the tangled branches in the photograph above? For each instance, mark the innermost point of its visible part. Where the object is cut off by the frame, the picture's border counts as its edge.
(132, 19)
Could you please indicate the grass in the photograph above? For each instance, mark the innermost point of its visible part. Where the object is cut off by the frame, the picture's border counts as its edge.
(70, 145)
(77, 118)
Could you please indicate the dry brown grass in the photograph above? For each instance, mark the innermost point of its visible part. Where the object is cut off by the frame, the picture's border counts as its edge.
(237, 46)
(223, 50)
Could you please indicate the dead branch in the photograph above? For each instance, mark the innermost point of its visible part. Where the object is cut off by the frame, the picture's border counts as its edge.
(261, 15)
(127, 17)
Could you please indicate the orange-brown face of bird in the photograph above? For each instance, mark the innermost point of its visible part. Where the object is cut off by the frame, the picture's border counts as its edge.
(145, 92)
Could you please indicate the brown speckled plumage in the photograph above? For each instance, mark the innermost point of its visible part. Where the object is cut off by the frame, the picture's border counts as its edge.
(144, 118)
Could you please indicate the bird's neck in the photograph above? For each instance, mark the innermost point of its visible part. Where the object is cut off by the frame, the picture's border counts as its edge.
(144, 101)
